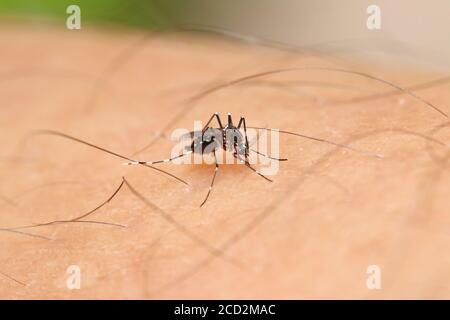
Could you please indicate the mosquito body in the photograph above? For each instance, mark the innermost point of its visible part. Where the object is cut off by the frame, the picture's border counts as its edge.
(229, 138)
(210, 139)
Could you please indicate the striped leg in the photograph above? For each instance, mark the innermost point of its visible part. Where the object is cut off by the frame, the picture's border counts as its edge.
(247, 164)
(267, 156)
(129, 163)
(212, 181)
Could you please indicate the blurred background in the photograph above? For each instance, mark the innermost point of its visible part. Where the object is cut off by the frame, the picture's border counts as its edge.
(118, 89)
(412, 31)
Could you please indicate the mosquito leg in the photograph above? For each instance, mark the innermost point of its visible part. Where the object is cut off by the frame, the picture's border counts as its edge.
(267, 156)
(247, 164)
(230, 120)
(242, 121)
(129, 163)
(212, 181)
(215, 115)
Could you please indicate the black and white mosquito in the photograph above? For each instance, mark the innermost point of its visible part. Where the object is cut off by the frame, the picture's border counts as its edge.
(230, 138)
(210, 139)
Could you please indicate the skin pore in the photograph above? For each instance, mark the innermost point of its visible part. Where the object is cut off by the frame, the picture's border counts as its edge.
(328, 215)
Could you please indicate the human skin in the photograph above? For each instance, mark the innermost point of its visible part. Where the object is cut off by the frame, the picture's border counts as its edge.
(328, 215)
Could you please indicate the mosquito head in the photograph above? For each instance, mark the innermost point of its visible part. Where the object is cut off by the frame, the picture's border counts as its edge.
(206, 142)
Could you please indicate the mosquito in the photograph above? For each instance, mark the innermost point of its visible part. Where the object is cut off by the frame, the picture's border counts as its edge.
(230, 138)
